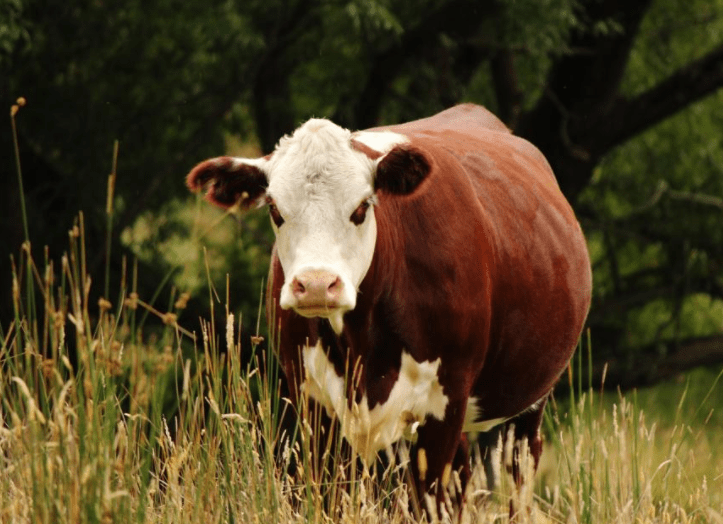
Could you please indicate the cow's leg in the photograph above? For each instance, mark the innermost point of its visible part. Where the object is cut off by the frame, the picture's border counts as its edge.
(461, 463)
(487, 442)
(526, 427)
(440, 450)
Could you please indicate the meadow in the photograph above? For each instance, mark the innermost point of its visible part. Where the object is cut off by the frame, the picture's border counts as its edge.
(113, 411)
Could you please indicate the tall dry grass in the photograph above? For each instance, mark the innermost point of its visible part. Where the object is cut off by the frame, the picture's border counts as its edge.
(155, 424)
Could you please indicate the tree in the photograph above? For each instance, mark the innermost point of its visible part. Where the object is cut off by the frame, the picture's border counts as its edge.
(156, 76)
(622, 97)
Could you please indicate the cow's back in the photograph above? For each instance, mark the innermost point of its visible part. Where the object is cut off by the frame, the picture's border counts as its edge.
(466, 118)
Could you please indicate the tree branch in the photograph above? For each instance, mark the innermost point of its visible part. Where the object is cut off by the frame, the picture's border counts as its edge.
(648, 367)
(688, 84)
(580, 90)
(587, 81)
(667, 283)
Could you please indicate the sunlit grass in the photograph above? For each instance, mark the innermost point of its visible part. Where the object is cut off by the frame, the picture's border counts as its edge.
(608, 462)
(148, 425)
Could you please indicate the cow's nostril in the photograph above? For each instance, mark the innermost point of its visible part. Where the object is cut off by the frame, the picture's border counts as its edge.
(298, 287)
(335, 285)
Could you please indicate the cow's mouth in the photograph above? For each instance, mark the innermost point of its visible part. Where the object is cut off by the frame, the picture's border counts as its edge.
(321, 310)
(333, 312)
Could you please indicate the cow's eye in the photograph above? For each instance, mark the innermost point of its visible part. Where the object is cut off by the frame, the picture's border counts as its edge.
(274, 212)
(360, 213)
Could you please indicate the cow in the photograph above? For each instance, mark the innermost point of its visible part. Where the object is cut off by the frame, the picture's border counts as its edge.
(437, 259)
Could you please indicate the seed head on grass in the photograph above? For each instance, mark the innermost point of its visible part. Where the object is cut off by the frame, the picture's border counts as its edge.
(132, 301)
(182, 301)
(230, 345)
(20, 102)
(104, 305)
(16, 291)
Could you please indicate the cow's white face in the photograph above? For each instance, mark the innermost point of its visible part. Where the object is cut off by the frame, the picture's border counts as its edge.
(321, 193)
(320, 187)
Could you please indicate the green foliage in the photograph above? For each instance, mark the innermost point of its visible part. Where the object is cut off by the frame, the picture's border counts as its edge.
(374, 18)
(12, 28)
(672, 33)
(174, 83)
(538, 27)
(658, 320)
(199, 244)
(150, 74)
(659, 199)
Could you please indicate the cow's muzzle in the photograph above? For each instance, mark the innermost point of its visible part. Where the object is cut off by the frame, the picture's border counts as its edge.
(317, 293)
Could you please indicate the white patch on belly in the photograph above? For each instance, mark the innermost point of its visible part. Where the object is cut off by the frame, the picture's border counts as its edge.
(474, 412)
(472, 422)
(416, 394)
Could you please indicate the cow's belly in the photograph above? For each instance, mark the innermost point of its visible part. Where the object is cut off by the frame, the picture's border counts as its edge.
(475, 421)
(415, 395)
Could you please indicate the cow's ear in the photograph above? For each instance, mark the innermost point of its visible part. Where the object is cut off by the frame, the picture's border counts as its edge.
(401, 170)
(228, 181)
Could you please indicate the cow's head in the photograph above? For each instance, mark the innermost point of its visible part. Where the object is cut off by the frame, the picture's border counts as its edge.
(320, 186)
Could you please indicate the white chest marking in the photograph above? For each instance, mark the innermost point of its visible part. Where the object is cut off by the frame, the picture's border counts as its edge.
(416, 394)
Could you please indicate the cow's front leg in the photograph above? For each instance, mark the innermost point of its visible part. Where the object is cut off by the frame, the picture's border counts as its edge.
(441, 449)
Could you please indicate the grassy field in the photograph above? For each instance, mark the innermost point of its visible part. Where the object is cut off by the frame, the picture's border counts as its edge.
(113, 412)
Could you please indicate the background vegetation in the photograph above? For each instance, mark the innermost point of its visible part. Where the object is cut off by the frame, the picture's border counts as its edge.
(622, 97)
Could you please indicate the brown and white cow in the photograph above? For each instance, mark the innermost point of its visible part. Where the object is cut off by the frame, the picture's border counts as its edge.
(437, 258)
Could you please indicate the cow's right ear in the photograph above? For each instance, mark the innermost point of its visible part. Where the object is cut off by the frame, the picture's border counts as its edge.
(228, 181)
(401, 170)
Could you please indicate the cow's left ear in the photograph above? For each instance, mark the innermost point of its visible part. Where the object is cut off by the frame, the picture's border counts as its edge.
(230, 181)
(401, 170)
